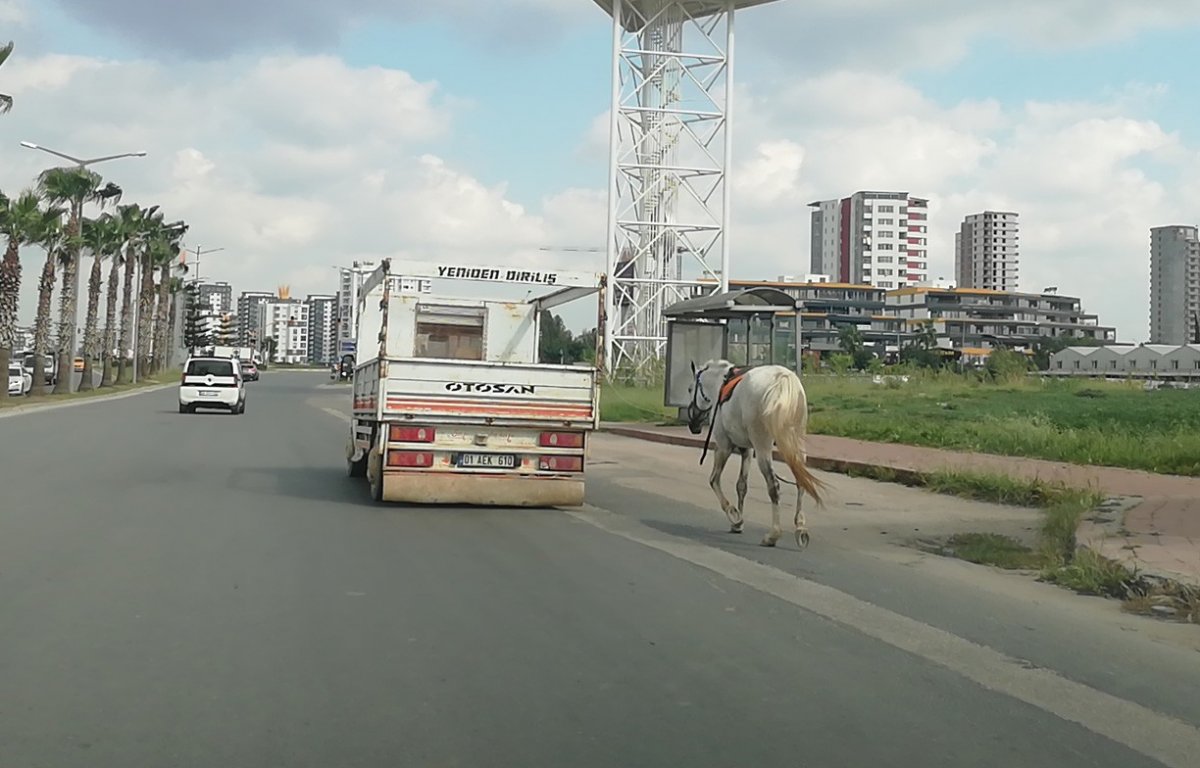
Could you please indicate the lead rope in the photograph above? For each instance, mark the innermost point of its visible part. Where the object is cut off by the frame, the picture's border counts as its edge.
(711, 423)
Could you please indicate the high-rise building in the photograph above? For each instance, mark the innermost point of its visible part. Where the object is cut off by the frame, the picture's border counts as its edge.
(1174, 285)
(216, 297)
(986, 251)
(322, 343)
(350, 280)
(248, 317)
(285, 322)
(871, 238)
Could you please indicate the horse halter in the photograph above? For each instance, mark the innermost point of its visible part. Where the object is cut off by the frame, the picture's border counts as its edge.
(695, 413)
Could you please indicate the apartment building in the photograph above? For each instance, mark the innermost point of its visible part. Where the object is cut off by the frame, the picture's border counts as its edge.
(981, 319)
(322, 330)
(350, 280)
(871, 238)
(248, 315)
(986, 251)
(1174, 285)
(216, 297)
(285, 320)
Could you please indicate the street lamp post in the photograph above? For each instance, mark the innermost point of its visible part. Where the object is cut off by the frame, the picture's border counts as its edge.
(77, 212)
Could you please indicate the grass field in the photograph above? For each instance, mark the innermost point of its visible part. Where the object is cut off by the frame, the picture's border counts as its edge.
(1080, 422)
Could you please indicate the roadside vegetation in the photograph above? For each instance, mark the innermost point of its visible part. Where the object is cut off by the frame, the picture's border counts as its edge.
(1081, 422)
(1055, 557)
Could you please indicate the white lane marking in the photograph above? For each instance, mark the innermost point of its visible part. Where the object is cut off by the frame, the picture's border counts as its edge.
(1161, 737)
(340, 415)
(24, 410)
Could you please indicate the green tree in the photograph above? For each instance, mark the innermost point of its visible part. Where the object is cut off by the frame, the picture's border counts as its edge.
(75, 187)
(22, 222)
(51, 240)
(134, 229)
(6, 101)
(1006, 365)
(102, 239)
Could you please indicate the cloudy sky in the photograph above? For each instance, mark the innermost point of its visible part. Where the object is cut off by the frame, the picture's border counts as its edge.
(300, 134)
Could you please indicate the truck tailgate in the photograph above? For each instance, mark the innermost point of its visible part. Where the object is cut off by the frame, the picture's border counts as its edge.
(498, 392)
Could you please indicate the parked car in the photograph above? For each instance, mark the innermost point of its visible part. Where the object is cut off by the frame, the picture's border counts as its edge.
(212, 382)
(19, 382)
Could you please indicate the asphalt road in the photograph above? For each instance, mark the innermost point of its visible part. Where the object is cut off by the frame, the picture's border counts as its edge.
(200, 590)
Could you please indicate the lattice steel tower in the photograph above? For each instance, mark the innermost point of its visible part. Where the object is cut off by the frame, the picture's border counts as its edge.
(670, 138)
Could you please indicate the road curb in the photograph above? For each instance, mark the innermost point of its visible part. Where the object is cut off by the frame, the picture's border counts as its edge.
(23, 410)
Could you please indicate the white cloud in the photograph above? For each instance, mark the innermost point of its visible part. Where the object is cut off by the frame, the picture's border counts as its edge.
(1087, 179)
(291, 164)
(884, 35)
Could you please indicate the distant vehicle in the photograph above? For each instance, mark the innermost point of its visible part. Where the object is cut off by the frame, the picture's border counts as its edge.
(19, 381)
(78, 364)
(212, 382)
(249, 370)
(49, 367)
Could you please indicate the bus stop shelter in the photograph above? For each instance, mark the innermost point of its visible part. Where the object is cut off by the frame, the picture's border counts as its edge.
(752, 326)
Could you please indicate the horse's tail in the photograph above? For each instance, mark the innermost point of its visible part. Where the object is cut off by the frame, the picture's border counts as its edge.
(785, 413)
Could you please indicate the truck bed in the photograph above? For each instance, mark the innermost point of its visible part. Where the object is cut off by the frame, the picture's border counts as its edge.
(446, 391)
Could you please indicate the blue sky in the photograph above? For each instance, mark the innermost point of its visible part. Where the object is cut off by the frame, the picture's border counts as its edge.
(836, 98)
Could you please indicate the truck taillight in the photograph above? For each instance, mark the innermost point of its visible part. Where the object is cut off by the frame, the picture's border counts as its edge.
(409, 459)
(399, 434)
(561, 439)
(561, 463)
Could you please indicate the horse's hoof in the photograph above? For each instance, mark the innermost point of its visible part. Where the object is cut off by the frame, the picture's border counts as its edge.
(767, 542)
(735, 529)
(802, 539)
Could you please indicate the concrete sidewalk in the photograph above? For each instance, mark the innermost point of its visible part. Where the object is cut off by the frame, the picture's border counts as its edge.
(1159, 534)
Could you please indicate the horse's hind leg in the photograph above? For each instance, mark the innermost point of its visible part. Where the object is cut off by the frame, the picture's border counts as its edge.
(768, 473)
(720, 459)
(742, 487)
(799, 522)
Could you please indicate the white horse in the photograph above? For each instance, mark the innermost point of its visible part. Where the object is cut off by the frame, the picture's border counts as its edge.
(754, 410)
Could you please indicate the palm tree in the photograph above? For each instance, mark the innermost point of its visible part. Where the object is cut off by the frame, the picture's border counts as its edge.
(151, 231)
(133, 231)
(6, 101)
(165, 255)
(75, 186)
(102, 238)
(51, 239)
(21, 221)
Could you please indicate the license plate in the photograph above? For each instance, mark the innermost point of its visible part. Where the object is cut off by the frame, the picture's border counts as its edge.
(487, 460)
(209, 393)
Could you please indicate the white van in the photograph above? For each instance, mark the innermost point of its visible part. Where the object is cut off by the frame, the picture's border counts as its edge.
(212, 382)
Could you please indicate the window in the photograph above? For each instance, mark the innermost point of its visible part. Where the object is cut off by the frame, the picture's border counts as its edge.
(886, 222)
(885, 233)
(210, 368)
(886, 208)
(452, 333)
(885, 247)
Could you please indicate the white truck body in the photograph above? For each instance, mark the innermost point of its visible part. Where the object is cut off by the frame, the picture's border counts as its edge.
(450, 403)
